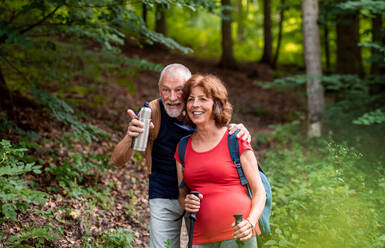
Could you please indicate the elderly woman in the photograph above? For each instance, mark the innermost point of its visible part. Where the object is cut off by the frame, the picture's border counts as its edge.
(210, 170)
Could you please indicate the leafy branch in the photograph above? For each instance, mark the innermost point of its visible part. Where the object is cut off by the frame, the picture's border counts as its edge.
(41, 21)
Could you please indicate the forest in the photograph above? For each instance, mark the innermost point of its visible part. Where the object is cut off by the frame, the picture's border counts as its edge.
(306, 78)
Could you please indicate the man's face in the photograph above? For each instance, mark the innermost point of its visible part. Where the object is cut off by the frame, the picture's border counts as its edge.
(171, 89)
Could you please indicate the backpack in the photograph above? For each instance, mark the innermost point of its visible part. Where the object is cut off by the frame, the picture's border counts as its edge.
(263, 221)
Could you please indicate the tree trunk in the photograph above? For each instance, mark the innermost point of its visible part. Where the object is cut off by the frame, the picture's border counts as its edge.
(377, 63)
(325, 26)
(268, 48)
(241, 28)
(227, 58)
(327, 48)
(349, 60)
(378, 37)
(160, 23)
(144, 13)
(5, 94)
(312, 53)
(279, 38)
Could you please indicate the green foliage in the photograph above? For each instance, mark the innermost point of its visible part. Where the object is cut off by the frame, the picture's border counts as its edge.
(379, 58)
(43, 43)
(336, 82)
(63, 112)
(380, 47)
(353, 101)
(285, 83)
(77, 167)
(368, 9)
(374, 117)
(168, 243)
(374, 6)
(34, 237)
(193, 5)
(132, 204)
(323, 189)
(122, 237)
(15, 193)
(201, 31)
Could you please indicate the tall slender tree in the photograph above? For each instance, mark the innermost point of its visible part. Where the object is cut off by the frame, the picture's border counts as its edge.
(160, 22)
(378, 37)
(227, 58)
(5, 94)
(312, 53)
(349, 59)
(280, 27)
(144, 13)
(325, 9)
(267, 56)
(241, 21)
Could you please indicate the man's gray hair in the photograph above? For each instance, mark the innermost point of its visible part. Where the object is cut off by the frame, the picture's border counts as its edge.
(175, 68)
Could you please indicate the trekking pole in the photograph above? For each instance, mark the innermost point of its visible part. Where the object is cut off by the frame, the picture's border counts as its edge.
(238, 219)
(192, 217)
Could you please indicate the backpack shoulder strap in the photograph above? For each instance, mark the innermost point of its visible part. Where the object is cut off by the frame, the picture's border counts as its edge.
(234, 154)
(182, 148)
(181, 153)
(263, 221)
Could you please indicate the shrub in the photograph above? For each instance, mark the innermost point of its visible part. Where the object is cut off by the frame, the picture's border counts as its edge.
(324, 194)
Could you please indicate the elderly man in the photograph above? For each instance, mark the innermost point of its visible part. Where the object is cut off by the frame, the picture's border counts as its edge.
(166, 131)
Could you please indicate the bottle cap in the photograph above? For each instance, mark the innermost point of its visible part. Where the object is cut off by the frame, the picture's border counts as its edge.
(145, 112)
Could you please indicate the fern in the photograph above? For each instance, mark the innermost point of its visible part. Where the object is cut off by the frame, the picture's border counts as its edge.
(15, 193)
(38, 236)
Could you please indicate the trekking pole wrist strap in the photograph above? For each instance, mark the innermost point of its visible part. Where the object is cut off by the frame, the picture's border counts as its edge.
(252, 226)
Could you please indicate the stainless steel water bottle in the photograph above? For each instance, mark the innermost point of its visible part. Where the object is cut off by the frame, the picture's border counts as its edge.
(140, 142)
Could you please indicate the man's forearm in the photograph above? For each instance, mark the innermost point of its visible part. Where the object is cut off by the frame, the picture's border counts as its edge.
(122, 151)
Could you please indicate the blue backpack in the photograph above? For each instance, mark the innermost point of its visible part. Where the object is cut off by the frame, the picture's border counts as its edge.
(263, 221)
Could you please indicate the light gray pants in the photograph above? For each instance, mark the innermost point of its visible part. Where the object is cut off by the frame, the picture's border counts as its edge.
(250, 243)
(164, 230)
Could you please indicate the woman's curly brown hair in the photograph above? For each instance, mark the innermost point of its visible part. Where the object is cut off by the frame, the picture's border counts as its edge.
(215, 89)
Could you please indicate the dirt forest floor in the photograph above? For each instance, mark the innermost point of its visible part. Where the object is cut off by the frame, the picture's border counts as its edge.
(255, 107)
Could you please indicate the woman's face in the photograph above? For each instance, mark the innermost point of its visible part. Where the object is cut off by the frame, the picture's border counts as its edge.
(199, 106)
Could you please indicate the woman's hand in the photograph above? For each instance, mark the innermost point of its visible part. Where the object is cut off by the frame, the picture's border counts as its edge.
(192, 203)
(243, 231)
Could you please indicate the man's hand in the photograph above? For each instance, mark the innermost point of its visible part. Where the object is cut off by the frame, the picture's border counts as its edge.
(243, 132)
(135, 127)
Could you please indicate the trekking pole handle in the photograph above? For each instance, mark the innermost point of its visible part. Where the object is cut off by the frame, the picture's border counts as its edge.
(238, 219)
(194, 215)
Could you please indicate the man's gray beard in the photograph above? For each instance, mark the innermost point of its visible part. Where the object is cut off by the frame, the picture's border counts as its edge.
(173, 113)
